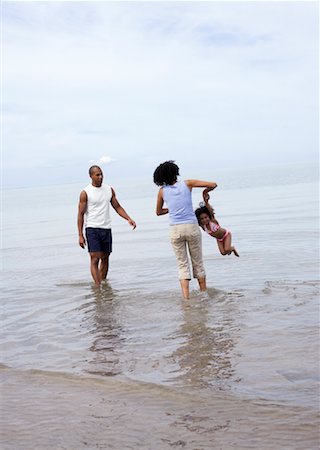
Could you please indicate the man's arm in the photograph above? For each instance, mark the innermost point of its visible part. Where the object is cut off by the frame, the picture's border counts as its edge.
(160, 210)
(116, 205)
(81, 212)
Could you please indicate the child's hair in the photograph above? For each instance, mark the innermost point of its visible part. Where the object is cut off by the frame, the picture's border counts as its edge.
(166, 173)
(202, 210)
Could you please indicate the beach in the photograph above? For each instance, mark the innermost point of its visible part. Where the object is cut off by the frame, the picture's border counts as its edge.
(131, 364)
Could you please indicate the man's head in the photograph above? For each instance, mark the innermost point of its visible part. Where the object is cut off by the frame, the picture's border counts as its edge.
(96, 175)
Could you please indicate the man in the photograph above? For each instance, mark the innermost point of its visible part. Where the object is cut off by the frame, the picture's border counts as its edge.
(94, 212)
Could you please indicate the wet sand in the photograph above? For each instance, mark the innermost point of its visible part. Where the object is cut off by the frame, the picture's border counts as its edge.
(45, 410)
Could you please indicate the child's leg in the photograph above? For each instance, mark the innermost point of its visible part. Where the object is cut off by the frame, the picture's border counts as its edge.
(228, 248)
(221, 248)
(227, 244)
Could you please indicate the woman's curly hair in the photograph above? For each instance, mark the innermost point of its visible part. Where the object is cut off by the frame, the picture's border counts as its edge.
(166, 173)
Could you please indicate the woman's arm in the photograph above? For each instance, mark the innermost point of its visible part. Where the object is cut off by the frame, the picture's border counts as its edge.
(160, 210)
(209, 185)
(205, 193)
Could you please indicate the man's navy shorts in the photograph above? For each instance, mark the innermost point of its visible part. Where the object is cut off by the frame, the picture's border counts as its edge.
(99, 240)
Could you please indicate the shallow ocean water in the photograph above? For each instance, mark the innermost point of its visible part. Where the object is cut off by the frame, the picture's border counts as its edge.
(133, 365)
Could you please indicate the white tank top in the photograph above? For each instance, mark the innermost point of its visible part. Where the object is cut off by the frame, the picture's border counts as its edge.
(98, 206)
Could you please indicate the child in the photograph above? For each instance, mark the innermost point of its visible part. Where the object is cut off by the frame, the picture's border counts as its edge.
(207, 221)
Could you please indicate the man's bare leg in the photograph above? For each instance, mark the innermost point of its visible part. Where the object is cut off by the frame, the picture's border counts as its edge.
(104, 266)
(94, 267)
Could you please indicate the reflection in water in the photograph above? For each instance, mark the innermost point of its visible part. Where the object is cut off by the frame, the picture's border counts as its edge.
(204, 355)
(107, 332)
(124, 343)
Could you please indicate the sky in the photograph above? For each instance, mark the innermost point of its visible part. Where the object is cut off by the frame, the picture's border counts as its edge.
(129, 85)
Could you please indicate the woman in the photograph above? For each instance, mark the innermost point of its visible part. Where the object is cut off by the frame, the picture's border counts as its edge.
(184, 229)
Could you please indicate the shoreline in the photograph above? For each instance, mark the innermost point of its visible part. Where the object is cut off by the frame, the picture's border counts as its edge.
(56, 411)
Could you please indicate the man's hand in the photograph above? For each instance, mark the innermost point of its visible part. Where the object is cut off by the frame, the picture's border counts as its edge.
(132, 223)
(82, 241)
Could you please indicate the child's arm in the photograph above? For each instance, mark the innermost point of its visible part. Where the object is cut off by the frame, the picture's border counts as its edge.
(211, 210)
(206, 198)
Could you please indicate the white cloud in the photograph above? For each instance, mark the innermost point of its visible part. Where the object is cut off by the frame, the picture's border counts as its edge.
(213, 83)
(105, 160)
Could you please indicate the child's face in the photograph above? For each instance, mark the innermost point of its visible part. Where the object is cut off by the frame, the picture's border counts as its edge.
(204, 219)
